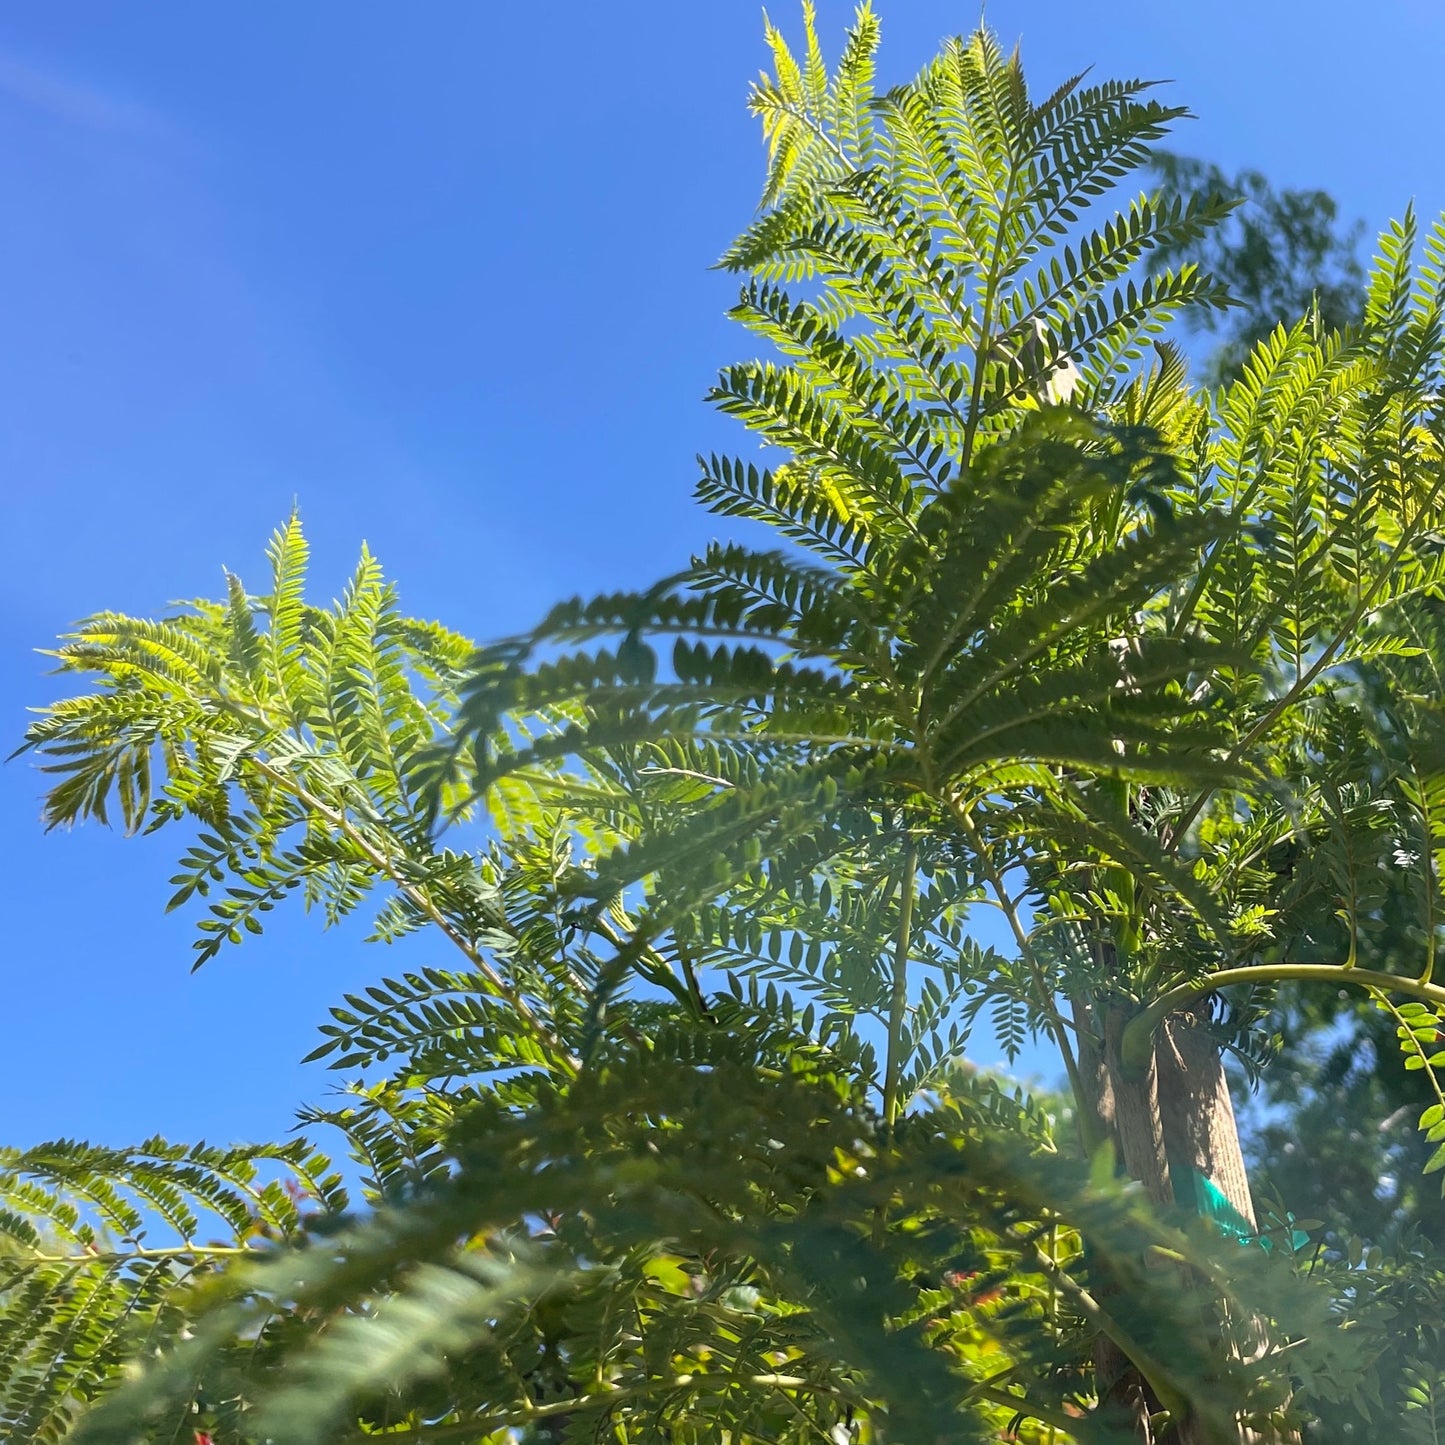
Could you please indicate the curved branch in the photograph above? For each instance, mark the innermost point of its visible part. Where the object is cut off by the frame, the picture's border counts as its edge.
(1138, 1034)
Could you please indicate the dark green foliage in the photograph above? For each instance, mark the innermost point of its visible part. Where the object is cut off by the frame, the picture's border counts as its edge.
(1279, 254)
(727, 1244)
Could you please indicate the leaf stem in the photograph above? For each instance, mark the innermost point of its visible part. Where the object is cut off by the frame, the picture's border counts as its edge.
(178, 1251)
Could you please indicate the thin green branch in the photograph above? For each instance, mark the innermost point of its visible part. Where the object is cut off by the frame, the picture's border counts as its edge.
(898, 1002)
(1089, 1132)
(1054, 1419)
(418, 895)
(1154, 1372)
(1137, 1040)
(603, 1400)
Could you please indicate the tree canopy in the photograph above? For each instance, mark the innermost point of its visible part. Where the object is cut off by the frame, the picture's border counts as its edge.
(682, 1142)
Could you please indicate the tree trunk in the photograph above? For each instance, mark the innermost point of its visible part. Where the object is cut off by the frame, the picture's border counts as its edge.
(1127, 1113)
(1175, 1132)
(1206, 1163)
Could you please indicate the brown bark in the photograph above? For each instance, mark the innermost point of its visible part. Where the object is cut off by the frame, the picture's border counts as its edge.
(1172, 1127)
(1122, 1390)
(1202, 1140)
(1200, 1132)
(1138, 1121)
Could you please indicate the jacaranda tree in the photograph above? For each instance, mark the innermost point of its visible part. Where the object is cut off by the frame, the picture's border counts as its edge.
(1057, 692)
(1332, 1127)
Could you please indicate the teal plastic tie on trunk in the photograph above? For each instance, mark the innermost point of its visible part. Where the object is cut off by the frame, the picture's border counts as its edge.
(1210, 1201)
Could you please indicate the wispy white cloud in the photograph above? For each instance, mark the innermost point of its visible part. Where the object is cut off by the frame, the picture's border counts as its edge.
(71, 101)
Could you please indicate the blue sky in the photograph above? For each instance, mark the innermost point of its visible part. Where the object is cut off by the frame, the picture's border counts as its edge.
(439, 273)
